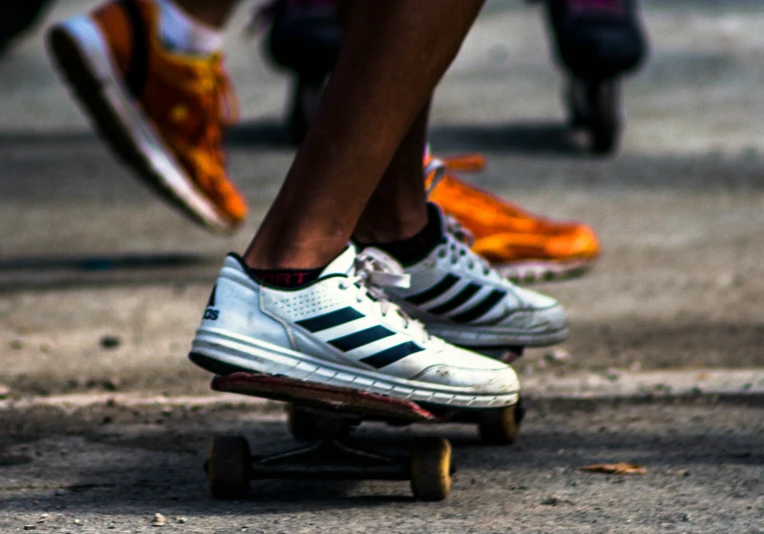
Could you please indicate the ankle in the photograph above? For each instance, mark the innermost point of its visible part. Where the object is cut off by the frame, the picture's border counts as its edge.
(415, 248)
(377, 226)
(282, 254)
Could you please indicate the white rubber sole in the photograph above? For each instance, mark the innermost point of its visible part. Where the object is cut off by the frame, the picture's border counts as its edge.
(92, 73)
(247, 354)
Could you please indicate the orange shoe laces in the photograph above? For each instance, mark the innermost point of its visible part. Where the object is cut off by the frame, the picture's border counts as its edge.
(220, 107)
(224, 93)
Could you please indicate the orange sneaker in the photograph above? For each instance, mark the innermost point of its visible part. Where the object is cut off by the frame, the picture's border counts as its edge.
(522, 246)
(163, 113)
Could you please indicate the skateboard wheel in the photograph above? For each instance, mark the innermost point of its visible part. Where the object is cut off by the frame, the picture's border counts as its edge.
(302, 424)
(575, 102)
(431, 469)
(595, 105)
(605, 122)
(500, 426)
(228, 467)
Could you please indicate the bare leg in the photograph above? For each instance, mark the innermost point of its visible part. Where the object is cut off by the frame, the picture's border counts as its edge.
(213, 13)
(395, 53)
(396, 209)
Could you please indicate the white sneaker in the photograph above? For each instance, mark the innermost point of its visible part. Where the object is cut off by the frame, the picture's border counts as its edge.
(459, 297)
(342, 330)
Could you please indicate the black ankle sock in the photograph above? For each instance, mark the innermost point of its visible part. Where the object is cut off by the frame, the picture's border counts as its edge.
(291, 278)
(416, 248)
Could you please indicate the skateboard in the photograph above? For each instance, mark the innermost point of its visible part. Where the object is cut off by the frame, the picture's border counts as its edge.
(325, 416)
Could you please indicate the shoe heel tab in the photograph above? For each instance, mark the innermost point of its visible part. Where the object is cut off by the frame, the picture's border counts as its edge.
(235, 270)
(236, 262)
(232, 259)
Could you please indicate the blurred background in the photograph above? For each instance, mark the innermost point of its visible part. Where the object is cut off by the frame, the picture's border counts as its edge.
(102, 285)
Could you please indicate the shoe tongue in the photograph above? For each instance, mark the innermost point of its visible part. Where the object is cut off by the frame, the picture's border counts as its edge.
(342, 264)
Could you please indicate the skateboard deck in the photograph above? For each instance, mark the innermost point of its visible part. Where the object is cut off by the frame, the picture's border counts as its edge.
(339, 400)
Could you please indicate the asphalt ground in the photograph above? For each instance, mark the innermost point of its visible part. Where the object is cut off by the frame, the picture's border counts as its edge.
(102, 286)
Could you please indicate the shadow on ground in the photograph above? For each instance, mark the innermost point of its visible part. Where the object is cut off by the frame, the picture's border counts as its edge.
(522, 137)
(64, 272)
(532, 138)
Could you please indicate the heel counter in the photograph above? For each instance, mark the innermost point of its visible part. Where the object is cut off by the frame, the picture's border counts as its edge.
(234, 307)
(233, 295)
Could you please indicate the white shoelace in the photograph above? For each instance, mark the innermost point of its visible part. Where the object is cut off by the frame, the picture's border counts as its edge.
(374, 271)
(459, 240)
(438, 169)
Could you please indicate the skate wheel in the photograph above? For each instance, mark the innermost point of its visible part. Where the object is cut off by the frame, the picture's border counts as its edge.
(501, 426)
(228, 467)
(431, 469)
(302, 424)
(605, 119)
(574, 100)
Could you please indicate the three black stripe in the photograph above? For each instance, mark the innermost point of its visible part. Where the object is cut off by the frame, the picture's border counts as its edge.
(435, 291)
(359, 339)
(392, 355)
(477, 311)
(460, 298)
(481, 308)
(375, 333)
(330, 320)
